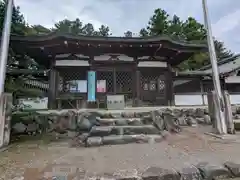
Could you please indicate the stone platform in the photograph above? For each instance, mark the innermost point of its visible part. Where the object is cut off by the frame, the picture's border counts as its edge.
(145, 124)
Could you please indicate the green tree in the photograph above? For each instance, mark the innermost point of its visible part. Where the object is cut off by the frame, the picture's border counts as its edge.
(189, 30)
(88, 29)
(76, 27)
(103, 31)
(18, 27)
(128, 34)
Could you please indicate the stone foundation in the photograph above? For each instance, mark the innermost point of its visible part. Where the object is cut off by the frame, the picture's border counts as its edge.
(98, 124)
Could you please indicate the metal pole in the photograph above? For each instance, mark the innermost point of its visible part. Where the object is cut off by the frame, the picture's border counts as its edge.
(216, 81)
(5, 43)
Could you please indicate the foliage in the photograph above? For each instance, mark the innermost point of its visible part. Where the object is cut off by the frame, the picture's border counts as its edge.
(189, 30)
(76, 27)
(128, 34)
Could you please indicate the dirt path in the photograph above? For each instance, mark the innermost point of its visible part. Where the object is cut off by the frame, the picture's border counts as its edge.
(189, 147)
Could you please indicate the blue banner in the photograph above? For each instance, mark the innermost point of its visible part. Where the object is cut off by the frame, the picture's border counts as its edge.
(91, 86)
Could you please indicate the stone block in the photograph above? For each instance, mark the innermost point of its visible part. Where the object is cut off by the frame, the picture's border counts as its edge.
(146, 129)
(94, 141)
(156, 173)
(130, 174)
(233, 168)
(190, 173)
(134, 122)
(118, 139)
(101, 131)
(211, 171)
(121, 122)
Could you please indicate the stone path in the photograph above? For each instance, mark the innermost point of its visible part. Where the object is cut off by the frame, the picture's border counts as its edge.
(178, 151)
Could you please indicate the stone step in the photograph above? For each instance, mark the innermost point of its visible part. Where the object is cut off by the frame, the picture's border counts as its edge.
(122, 130)
(124, 121)
(123, 139)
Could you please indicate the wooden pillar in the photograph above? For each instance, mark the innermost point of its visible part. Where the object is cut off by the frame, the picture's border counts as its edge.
(52, 84)
(57, 82)
(224, 85)
(169, 86)
(138, 87)
(202, 91)
(114, 81)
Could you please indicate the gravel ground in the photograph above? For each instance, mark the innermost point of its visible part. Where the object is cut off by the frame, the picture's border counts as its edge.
(189, 147)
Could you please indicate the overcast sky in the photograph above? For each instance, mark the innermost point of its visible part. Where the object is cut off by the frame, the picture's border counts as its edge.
(123, 15)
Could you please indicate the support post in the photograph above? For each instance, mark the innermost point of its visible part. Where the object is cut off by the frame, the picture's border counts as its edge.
(202, 91)
(5, 43)
(136, 84)
(169, 86)
(52, 85)
(228, 114)
(220, 114)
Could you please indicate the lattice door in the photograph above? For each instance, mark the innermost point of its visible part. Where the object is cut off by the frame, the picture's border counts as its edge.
(161, 85)
(124, 82)
(108, 77)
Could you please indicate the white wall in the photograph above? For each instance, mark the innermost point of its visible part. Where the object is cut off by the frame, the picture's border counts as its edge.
(188, 100)
(35, 103)
(180, 100)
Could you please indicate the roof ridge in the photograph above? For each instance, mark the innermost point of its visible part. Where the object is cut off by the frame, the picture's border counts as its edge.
(221, 62)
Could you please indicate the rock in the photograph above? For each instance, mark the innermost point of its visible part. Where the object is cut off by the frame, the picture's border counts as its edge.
(160, 173)
(200, 120)
(72, 133)
(215, 172)
(157, 120)
(207, 119)
(130, 174)
(121, 122)
(84, 124)
(93, 118)
(182, 120)
(190, 173)
(191, 121)
(118, 139)
(146, 129)
(107, 115)
(237, 110)
(79, 141)
(234, 110)
(155, 138)
(33, 127)
(191, 112)
(116, 115)
(237, 116)
(61, 125)
(128, 115)
(199, 112)
(101, 131)
(172, 124)
(106, 122)
(134, 122)
(146, 120)
(19, 128)
(233, 168)
(177, 112)
(94, 141)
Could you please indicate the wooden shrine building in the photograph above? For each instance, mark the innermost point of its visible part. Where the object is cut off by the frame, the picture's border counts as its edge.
(141, 69)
